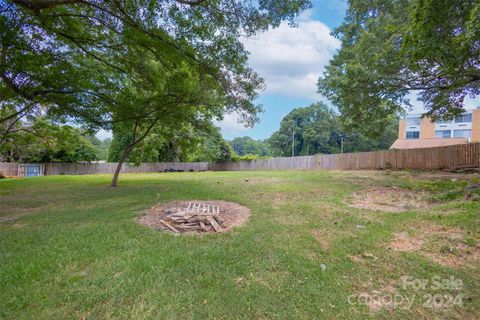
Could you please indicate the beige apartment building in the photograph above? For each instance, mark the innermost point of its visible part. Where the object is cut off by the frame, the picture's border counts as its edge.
(417, 132)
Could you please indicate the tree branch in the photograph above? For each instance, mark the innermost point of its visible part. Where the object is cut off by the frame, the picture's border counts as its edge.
(38, 5)
(191, 2)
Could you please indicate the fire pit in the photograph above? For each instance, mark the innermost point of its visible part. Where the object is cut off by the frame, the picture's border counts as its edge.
(196, 216)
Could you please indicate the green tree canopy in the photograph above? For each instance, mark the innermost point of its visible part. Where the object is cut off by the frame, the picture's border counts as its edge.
(318, 130)
(44, 141)
(315, 128)
(142, 65)
(246, 145)
(188, 144)
(393, 48)
(101, 146)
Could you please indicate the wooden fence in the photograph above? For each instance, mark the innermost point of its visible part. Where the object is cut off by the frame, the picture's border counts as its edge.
(10, 169)
(456, 156)
(281, 163)
(448, 157)
(97, 168)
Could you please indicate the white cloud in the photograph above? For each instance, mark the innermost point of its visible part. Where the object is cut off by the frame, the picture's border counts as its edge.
(291, 59)
(230, 124)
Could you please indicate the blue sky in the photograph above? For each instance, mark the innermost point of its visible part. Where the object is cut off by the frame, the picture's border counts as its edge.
(290, 60)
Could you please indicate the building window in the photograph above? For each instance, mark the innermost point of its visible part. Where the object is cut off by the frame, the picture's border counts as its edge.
(441, 121)
(413, 134)
(462, 133)
(413, 121)
(443, 133)
(464, 118)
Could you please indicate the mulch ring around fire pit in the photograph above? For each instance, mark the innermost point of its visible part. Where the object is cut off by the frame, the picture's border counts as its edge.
(195, 216)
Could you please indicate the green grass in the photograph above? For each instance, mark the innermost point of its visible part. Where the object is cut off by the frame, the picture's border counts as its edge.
(75, 250)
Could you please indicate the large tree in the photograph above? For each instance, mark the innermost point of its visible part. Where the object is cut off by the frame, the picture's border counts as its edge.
(192, 143)
(317, 129)
(248, 146)
(40, 140)
(141, 64)
(392, 49)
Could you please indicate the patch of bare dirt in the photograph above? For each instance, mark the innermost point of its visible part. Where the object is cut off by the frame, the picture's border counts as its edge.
(389, 199)
(445, 175)
(403, 242)
(357, 258)
(232, 215)
(12, 217)
(323, 238)
(264, 180)
(283, 196)
(445, 246)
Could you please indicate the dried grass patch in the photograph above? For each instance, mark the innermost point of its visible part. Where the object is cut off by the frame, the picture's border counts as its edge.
(280, 198)
(445, 246)
(389, 199)
(323, 237)
(404, 242)
(15, 216)
(264, 180)
(327, 237)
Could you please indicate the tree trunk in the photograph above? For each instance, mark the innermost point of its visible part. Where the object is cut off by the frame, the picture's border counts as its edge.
(121, 160)
(128, 150)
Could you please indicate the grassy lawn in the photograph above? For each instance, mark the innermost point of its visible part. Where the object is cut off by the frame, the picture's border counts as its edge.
(71, 248)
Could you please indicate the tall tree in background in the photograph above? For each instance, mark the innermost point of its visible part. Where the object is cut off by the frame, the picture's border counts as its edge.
(211, 148)
(101, 146)
(185, 144)
(43, 141)
(393, 48)
(315, 128)
(144, 65)
(248, 146)
(318, 130)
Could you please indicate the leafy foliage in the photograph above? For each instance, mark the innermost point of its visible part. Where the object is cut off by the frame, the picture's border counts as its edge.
(249, 157)
(190, 144)
(101, 146)
(212, 147)
(248, 146)
(318, 130)
(315, 131)
(395, 47)
(44, 141)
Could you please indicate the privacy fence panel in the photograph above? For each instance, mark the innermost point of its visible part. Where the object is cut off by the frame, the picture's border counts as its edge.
(9, 169)
(109, 168)
(281, 163)
(456, 156)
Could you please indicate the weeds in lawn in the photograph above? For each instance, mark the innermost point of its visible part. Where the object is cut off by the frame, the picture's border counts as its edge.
(79, 252)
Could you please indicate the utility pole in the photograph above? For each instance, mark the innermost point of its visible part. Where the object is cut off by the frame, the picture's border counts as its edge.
(293, 143)
(341, 143)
